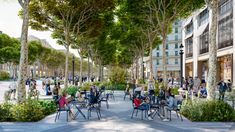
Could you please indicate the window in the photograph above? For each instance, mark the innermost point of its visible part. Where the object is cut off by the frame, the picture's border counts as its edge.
(189, 28)
(204, 41)
(225, 33)
(176, 23)
(189, 47)
(225, 6)
(167, 46)
(176, 53)
(203, 17)
(157, 47)
(176, 37)
(176, 30)
(176, 61)
(176, 45)
(157, 62)
(166, 53)
(167, 61)
(157, 54)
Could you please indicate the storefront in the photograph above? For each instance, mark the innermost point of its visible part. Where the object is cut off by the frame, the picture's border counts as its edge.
(189, 70)
(224, 68)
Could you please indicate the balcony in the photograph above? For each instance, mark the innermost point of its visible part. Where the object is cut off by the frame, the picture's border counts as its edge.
(225, 44)
(204, 50)
(189, 55)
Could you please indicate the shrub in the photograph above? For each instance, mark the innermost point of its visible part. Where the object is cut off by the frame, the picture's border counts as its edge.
(118, 75)
(48, 107)
(71, 90)
(4, 75)
(31, 110)
(86, 86)
(5, 112)
(96, 83)
(175, 91)
(204, 110)
(141, 81)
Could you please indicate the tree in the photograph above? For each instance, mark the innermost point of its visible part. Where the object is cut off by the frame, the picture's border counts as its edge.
(211, 85)
(24, 52)
(66, 18)
(159, 15)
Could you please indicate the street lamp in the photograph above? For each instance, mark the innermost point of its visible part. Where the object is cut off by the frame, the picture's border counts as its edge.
(32, 72)
(73, 69)
(181, 65)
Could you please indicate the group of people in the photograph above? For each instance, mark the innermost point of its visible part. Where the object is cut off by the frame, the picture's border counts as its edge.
(66, 102)
(197, 87)
(165, 99)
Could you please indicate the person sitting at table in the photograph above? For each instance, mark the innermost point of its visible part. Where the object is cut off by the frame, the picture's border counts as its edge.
(64, 104)
(143, 104)
(169, 104)
(203, 92)
(79, 97)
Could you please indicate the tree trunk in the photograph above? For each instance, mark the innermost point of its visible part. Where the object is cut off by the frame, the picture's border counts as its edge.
(21, 94)
(100, 70)
(66, 67)
(34, 70)
(151, 57)
(89, 68)
(80, 78)
(164, 64)
(102, 73)
(137, 69)
(212, 51)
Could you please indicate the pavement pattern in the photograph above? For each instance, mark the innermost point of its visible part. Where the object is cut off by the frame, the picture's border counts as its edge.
(115, 119)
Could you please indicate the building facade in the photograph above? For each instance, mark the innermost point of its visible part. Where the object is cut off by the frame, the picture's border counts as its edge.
(172, 52)
(195, 38)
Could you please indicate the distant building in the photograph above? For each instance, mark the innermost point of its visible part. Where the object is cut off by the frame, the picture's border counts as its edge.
(172, 54)
(43, 41)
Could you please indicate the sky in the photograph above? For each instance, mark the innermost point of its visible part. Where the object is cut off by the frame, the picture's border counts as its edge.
(11, 24)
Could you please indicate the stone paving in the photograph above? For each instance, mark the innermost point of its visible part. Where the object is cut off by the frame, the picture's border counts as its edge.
(116, 118)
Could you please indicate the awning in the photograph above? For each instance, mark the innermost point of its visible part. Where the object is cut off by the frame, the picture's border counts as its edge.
(187, 21)
(201, 29)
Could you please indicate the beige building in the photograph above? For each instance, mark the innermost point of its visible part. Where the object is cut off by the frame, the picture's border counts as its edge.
(195, 39)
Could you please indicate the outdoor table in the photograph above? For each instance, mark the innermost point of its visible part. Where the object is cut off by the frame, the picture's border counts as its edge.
(77, 104)
(156, 111)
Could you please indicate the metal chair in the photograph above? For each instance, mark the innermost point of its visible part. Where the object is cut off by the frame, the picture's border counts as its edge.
(104, 99)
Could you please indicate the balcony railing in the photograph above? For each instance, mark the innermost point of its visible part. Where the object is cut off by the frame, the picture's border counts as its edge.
(189, 55)
(225, 44)
(204, 50)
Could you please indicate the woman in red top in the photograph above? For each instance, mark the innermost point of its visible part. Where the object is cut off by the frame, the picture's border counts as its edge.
(143, 105)
(63, 104)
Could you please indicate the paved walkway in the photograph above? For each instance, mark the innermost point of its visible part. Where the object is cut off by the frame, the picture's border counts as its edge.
(117, 118)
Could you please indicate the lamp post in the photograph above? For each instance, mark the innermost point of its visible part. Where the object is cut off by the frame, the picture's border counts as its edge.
(73, 69)
(32, 72)
(181, 65)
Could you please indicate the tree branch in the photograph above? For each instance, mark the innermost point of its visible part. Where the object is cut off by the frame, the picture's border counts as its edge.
(21, 3)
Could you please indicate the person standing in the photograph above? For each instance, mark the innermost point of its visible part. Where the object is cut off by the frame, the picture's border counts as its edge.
(48, 89)
(12, 88)
(222, 88)
(196, 85)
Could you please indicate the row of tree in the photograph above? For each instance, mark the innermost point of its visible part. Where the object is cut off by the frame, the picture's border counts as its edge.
(46, 59)
(110, 32)
(148, 22)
